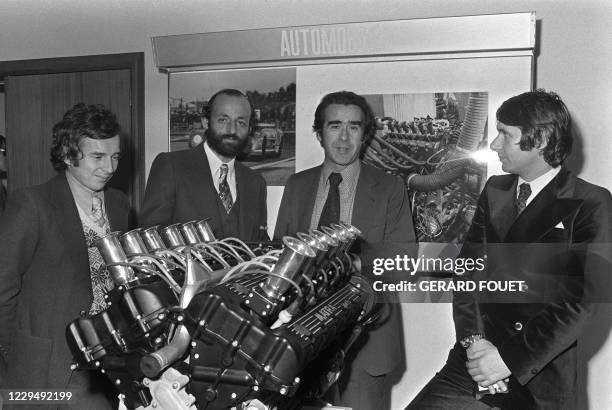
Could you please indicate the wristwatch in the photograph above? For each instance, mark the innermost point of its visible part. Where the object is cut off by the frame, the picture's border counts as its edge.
(467, 341)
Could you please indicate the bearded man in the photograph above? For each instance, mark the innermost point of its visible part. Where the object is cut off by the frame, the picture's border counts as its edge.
(206, 181)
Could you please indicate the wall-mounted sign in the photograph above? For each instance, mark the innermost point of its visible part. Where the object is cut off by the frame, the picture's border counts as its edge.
(336, 42)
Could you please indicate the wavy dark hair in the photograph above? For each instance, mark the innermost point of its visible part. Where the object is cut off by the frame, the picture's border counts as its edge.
(206, 111)
(544, 121)
(81, 121)
(346, 98)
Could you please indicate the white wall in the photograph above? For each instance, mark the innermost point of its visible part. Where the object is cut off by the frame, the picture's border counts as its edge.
(575, 59)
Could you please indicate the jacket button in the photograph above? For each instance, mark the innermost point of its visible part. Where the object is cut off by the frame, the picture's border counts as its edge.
(83, 313)
(534, 371)
(518, 326)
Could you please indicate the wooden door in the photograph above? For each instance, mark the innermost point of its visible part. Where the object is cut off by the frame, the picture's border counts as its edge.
(34, 103)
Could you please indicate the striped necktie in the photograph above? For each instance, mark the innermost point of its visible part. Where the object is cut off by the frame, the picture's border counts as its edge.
(224, 191)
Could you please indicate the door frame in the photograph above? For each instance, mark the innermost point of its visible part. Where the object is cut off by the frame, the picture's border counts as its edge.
(134, 62)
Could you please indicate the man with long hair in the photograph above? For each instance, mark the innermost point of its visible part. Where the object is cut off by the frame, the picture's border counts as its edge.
(50, 269)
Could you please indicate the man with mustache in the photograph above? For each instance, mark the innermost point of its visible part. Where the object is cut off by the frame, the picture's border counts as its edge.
(206, 181)
(345, 189)
(50, 268)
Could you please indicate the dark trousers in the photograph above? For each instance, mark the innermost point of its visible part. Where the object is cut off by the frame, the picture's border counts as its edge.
(360, 390)
(453, 388)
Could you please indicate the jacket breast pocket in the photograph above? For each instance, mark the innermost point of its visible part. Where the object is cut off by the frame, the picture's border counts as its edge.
(556, 235)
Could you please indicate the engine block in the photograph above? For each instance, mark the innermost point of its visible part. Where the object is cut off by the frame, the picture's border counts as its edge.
(199, 323)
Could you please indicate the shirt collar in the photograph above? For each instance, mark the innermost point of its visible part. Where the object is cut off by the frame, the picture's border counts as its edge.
(540, 182)
(349, 173)
(82, 195)
(215, 162)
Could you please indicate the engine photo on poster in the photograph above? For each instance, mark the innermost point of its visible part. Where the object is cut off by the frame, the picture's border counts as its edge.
(433, 141)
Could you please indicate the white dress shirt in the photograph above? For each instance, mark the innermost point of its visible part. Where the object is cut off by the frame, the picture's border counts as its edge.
(215, 170)
(537, 184)
(346, 189)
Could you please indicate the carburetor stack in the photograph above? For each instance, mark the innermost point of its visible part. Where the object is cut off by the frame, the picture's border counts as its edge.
(195, 322)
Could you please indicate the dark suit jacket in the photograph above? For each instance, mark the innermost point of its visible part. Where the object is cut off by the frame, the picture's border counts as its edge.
(180, 189)
(382, 212)
(560, 247)
(44, 279)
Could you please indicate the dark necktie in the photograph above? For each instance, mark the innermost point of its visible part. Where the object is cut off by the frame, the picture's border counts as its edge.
(224, 192)
(521, 201)
(331, 209)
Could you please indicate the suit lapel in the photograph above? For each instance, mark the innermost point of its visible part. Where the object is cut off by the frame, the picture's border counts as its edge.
(202, 172)
(365, 198)
(501, 205)
(305, 207)
(246, 193)
(552, 205)
(205, 193)
(114, 212)
(67, 217)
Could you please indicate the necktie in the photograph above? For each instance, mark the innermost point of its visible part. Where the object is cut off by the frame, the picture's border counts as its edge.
(521, 201)
(97, 212)
(224, 192)
(331, 209)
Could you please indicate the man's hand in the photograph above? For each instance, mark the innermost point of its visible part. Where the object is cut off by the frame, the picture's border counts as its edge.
(486, 366)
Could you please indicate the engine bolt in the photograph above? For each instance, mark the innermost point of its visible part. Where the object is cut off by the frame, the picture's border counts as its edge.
(283, 391)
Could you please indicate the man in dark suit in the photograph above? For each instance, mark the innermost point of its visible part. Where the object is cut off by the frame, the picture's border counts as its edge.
(206, 181)
(548, 229)
(373, 201)
(50, 269)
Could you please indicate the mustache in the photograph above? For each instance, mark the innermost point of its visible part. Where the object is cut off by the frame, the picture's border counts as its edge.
(227, 137)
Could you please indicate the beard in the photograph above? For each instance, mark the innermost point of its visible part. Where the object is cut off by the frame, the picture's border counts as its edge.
(227, 145)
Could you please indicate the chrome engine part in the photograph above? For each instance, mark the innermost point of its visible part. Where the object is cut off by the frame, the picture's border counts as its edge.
(195, 322)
